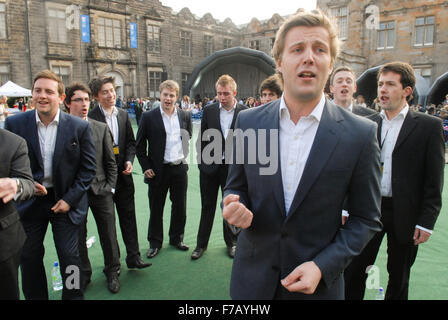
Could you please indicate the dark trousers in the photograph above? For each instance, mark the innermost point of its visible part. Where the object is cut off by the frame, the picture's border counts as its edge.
(125, 204)
(102, 207)
(210, 184)
(174, 180)
(65, 235)
(9, 275)
(400, 258)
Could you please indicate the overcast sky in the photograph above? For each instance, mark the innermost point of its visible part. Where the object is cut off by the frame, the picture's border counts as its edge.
(240, 11)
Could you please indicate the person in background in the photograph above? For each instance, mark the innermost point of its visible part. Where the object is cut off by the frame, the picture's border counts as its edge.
(271, 89)
(16, 184)
(103, 91)
(412, 166)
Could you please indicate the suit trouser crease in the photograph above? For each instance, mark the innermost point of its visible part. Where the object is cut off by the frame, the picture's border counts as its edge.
(66, 237)
(400, 258)
(125, 205)
(174, 180)
(102, 208)
(209, 185)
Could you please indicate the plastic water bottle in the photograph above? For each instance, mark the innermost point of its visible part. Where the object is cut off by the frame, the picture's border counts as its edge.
(56, 277)
(90, 241)
(380, 294)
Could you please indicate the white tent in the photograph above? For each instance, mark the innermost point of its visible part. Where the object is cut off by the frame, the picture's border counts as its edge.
(10, 89)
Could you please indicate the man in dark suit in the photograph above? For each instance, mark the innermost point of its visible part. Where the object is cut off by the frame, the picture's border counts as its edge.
(101, 190)
(412, 157)
(62, 157)
(217, 124)
(16, 183)
(343, 86)
(117, 119)
(162, 148)
(292, 245)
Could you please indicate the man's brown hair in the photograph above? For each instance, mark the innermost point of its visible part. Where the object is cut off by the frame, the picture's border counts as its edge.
(406, 72)
(97, 83)
(339, 69)
(75, 86)
(272, 83)
(48, 74)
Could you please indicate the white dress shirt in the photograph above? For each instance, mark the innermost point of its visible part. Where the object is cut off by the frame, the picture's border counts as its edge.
(390, 129)
(173, 149)
(112, 122)
(47, 143)
(225, 118)
(296, 141)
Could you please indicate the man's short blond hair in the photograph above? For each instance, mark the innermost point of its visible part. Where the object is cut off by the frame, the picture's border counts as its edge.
(314, 18)
(225, 80)
(170, 85)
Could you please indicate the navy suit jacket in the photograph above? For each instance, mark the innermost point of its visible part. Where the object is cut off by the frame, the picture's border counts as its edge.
(344, 161)
(74, 163)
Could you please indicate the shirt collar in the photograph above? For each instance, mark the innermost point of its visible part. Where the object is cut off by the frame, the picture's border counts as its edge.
(231, 110)
(316, 113)
(164, 113)
(403, 113)
(55, 120)
(350, 107)
(114, 111)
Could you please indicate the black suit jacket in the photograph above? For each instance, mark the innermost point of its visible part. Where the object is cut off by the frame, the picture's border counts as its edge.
(210, 131)
(106, 167)
(151, 140)
(418, 161)
(74, 162)
(364, 112)
(344, 160)
(126, 138)
(14, 163)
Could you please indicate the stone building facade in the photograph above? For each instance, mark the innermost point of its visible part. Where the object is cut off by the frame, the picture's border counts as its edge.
(374, 32)
(143, 42)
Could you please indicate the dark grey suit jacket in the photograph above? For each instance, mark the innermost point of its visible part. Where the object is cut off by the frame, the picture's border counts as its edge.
(106, 167)
(364, 112)
(14, 163)
(344, 161)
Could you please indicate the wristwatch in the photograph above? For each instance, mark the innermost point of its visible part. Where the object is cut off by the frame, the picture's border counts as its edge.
(19, 187)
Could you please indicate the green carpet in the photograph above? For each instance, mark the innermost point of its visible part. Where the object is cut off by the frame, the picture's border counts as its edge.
(174, 276)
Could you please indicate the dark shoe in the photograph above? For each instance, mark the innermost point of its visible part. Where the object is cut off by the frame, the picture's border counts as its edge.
(138, 263)
(181, 246)
(152, 252)
(112, 283)
(231, 251)
(197, 253)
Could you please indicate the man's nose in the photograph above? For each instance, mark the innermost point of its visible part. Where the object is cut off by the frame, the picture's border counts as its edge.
(308, 56)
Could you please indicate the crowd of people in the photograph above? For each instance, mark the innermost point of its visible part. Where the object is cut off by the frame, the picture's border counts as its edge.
(308, 229)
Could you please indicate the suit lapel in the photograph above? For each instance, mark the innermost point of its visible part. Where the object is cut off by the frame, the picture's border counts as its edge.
(408, 125)
(277, 185)
(327, 137)
(60, 139)
(33, 137)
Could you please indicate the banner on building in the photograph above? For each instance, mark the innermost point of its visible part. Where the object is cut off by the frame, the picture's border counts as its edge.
(85, 28)
(133, 32)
